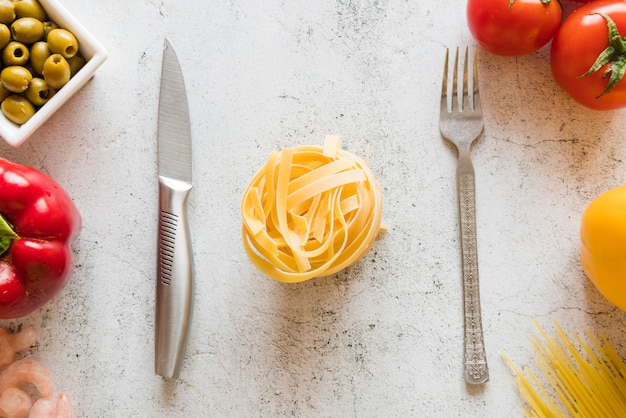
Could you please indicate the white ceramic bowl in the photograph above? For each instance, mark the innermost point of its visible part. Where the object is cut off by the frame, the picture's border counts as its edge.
(89, 48)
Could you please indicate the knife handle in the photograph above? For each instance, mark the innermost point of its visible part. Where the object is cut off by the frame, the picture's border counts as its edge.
(174, 292)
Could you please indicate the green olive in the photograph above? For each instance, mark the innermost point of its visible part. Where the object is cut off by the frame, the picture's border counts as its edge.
(15, 78)
(39, 52)
(62, 41)
(17, 109)
(5, 35)
(38, 92)
(27, 30)
(47, 27)
(15, 53)
(38, 57)
(76, 63)
(29, 8)
(56, 71)
(4, 93)
(7, 12)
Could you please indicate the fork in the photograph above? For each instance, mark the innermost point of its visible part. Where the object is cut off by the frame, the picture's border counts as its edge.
(461, 122)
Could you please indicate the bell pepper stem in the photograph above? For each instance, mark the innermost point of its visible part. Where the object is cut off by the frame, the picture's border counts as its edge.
(7, 235)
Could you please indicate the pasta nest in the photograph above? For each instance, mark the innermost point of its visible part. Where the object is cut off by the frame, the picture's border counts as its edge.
(310, 211)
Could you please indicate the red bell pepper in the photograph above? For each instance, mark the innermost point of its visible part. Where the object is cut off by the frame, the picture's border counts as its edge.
(38, 224)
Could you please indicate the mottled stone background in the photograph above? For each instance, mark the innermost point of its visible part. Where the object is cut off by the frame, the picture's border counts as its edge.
(382, 338)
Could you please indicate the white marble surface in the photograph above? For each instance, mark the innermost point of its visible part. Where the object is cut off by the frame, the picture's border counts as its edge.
(382, 338)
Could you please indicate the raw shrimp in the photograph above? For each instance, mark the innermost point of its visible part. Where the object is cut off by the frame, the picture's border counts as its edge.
(48, 408)
(25, 371)
(11, 343)
(14, 403)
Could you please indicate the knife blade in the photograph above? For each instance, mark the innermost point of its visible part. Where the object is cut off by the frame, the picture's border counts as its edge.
(175, 270)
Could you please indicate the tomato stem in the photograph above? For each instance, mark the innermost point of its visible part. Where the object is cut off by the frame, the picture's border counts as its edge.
(614, 57)
(543, 1)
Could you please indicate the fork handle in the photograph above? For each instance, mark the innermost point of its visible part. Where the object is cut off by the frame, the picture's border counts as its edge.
(476, 370)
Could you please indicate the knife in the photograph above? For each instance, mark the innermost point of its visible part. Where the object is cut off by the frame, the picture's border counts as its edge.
(174, 291)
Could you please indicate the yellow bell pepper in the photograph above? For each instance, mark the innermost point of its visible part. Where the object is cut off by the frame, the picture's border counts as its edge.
(603, 249)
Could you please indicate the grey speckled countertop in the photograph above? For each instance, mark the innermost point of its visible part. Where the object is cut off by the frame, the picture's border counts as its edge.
(383, 337)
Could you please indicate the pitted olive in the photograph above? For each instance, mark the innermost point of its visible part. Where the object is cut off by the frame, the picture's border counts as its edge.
(29, 8)
(56, 71)
(15, 53)
(7, 12)
(5, 35)
(4, 93)
(17, 109)
(62, 41)
(27, 30)
(38, 92)
(15, 78)
(39, 53)
(76, 63)
(47, 27)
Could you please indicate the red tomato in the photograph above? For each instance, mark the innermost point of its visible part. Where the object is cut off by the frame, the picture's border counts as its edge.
(513, 27)
(583, 36)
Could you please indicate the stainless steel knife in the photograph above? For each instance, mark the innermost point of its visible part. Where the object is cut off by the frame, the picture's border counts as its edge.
(174, 291)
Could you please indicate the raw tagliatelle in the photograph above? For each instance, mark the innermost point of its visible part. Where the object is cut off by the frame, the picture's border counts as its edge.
(310, 211)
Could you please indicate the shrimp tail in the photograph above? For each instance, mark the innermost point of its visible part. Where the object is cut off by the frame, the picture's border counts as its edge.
(25, 371)
(14, 403)
(12, 343)
(49, 408)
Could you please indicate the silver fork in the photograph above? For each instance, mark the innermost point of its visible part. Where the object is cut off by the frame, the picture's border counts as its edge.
(461, 122)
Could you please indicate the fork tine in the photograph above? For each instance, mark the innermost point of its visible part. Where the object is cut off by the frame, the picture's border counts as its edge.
(465, 100)
(444, 85)
(468, 85)
(455, 82)
(475, 87)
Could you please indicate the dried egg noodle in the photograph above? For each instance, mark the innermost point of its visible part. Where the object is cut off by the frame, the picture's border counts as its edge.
(310, 211)
(581, 382)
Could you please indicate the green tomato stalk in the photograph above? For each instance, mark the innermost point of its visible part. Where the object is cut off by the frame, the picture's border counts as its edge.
(543, 1)
(614, 56)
